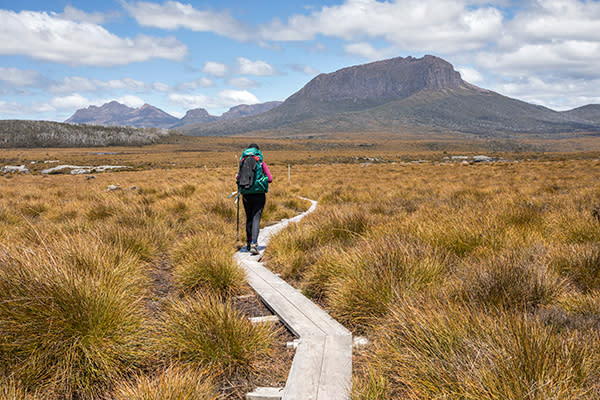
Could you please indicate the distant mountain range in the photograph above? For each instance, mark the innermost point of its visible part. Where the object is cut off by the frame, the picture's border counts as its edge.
(117, 114)
(399, 95)
(392, 96)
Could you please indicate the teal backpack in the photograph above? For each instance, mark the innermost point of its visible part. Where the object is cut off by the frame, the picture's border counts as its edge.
(251, 178)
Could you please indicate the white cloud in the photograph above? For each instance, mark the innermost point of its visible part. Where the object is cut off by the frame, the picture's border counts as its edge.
(571, 57)
(205, 82)
(243, 83)
(71, 84)
(223, 99)
(557, 37)
(305, 69)
(215, 69)
(258, 67)
(11, 108)
(74, 101)
(189, 101)
(74, 14)
(557, 94)
(189, 86)
(52, 38)
(173, 15)
(470, 75)
(18, 77)
(161, 87)
(128, 100)
(366, 50)
(235, 97)
(443, 26)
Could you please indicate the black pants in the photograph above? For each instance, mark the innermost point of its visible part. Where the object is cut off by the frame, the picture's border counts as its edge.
(253, 205)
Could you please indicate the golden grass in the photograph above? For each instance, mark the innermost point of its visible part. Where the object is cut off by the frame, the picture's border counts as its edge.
(174, 383)
(472, 281)
(81, 300)
(475, 282)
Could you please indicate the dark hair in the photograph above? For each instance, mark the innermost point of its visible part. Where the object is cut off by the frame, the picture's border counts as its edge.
(253, 145)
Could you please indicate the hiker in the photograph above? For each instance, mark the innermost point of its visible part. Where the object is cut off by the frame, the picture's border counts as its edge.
(253, 180)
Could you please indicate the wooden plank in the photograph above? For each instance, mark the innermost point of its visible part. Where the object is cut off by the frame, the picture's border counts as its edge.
(336, 371)
(322, 366)
(302, 304)
(305, 374)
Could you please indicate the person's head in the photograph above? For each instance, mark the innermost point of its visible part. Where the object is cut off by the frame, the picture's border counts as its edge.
(253, 146)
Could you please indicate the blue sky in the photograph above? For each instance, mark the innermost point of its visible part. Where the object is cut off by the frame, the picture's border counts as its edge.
(59, 56)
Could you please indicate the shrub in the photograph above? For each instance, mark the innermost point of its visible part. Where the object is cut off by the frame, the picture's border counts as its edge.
(205, 332)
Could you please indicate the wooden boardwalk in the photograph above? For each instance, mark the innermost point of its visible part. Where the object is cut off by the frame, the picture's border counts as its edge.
(322, 366)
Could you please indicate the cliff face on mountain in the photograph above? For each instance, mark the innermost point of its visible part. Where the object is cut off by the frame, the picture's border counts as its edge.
(398, 94)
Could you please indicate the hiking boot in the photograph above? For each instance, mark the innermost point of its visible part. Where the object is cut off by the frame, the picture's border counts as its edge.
(254, 249)
(248, 246)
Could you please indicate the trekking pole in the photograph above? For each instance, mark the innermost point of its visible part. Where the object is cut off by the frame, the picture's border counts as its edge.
(237, 216)
(237, 224)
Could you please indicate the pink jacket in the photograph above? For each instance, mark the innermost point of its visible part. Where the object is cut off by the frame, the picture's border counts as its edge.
(267, 172)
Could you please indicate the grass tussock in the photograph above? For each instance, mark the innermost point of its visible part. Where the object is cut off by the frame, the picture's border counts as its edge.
(85, 274)
(517, 280)
(174, 383)
(472, 281)
(70, 325)
(203, 263)
(204, 332)
(438, 350)
(376, 272)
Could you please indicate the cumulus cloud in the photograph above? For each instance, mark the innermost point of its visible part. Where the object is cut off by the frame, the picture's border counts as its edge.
(243, 83)
(444, 26)
(188, 86)
(258, 67)
(71, 84)
(557, 94)
(74, 14)
(305, 69)
(52, 38)
(470, 75)
(366, 50)
(190, 101)
(173, 15)
(19, 78)
(161, 87)
(215, 69)
(74, 101)
(223, 100)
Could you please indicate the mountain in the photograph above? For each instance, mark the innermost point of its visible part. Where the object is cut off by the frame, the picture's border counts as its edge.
(20, 133)
(591, 113)
(195, 116)
(245, 110)
(396, 95)
(117, 114)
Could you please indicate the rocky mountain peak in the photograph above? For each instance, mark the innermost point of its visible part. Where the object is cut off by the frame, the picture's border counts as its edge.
(395, 78)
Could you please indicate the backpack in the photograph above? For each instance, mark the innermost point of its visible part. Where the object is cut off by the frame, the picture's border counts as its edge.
(251, 178)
